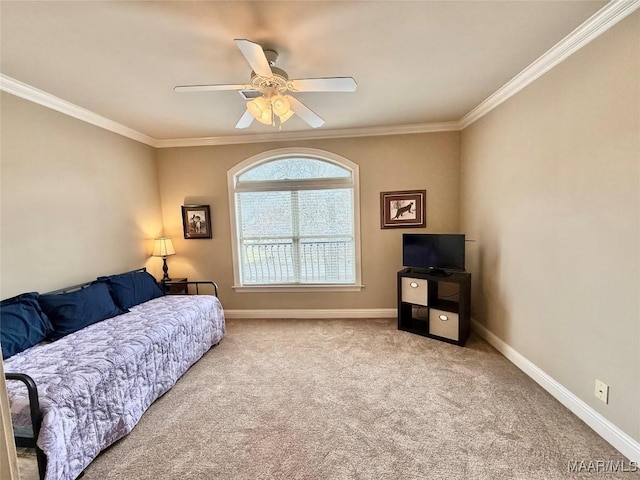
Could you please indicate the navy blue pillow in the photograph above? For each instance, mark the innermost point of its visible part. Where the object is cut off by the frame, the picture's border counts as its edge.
(131, 289)
(69, 312)
(23, 324)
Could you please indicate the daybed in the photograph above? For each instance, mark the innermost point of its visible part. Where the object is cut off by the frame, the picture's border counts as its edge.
(94, 383)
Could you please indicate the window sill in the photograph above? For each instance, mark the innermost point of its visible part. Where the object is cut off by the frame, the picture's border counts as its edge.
(296, 288)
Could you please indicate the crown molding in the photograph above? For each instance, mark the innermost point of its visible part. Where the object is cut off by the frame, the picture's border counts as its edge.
(22, 90)
(310, 135)
(599, 22)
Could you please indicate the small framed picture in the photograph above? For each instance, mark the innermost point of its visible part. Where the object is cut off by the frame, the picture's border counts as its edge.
(196, 221)
(403, 209)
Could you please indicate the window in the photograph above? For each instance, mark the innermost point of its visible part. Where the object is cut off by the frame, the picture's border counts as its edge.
(296, 221)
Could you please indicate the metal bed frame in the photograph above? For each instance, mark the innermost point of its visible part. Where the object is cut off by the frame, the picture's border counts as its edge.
(197, 283)
(32, 389)
(36, 420)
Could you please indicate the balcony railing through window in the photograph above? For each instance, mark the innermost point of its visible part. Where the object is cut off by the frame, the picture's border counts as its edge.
(297, 261)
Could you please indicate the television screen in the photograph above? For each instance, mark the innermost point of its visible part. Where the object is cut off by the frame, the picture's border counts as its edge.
(433, 251)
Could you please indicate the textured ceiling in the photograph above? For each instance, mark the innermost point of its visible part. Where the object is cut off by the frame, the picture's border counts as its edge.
(415, 62)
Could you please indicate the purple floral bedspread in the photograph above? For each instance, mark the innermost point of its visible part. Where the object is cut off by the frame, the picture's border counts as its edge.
(95, 384)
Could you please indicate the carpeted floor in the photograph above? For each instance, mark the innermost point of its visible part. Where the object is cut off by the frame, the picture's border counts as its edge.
(352, 399)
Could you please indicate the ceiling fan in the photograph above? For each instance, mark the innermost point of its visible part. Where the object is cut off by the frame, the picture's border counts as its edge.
(266, 95)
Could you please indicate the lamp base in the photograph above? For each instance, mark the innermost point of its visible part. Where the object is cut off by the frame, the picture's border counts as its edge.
(165, 269)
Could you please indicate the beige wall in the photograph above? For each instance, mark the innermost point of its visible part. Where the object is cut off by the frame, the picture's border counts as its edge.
(551, 190)
(77, 201)
(199, 175)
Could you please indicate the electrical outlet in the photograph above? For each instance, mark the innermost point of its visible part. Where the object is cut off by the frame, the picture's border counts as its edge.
(602, 391)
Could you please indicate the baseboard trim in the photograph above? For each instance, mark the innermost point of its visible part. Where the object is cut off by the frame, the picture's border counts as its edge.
(314, 313)
(603, 427)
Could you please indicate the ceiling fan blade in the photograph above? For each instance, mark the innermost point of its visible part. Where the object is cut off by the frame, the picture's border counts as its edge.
(245, 120)
(210, 88)
(305, 112)
(332, 84)
(255, 56)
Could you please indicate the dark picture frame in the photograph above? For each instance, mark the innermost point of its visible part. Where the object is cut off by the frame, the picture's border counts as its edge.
(404, 209)
(196, 221)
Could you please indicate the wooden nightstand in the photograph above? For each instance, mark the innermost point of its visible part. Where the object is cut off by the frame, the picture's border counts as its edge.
(179, 289)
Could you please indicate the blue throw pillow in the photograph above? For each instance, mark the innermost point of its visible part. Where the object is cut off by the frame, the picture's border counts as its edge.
(69, 312)
(131, 289)
(23, 324)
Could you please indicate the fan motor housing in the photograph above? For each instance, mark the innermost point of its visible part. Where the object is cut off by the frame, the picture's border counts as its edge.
(279, 80)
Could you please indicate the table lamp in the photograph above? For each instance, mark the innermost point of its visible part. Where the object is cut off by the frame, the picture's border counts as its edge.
(162, 247)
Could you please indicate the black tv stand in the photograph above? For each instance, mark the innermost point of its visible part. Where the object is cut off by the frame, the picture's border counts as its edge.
(438, 272)
(435, 305)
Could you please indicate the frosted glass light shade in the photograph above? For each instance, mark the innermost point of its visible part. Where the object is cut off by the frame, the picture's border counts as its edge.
(264, 108)
(257, 107)
(286, 116)
(162, 247)
(281, 105)
(265, 117)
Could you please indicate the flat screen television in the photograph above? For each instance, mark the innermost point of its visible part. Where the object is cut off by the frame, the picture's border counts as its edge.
(438, 252)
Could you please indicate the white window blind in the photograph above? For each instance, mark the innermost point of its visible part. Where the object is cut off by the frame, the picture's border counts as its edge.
(295, 223)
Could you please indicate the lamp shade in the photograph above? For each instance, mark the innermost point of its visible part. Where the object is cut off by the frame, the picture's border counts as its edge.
(162, 247)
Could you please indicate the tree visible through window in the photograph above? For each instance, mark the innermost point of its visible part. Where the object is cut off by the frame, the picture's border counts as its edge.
(295, 221)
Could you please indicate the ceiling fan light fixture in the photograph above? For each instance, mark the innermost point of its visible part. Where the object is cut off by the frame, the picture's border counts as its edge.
(265, 93)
